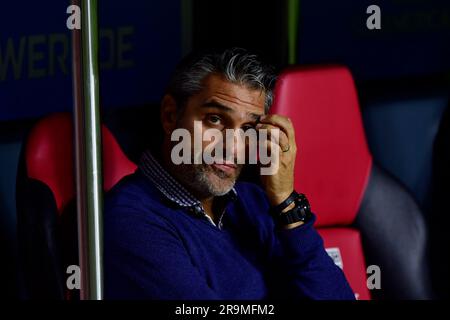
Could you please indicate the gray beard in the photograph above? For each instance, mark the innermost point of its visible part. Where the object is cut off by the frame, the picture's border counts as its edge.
(195, 178)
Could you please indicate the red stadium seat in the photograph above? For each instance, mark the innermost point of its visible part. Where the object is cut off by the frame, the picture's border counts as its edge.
(363, 214)
(45, 202)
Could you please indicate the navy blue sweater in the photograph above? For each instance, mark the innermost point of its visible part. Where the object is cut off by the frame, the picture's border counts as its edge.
(153, 250)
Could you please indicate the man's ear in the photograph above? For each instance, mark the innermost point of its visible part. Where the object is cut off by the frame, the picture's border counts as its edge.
(168, 114)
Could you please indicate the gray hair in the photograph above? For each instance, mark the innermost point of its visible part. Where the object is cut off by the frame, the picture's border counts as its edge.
(237, 65)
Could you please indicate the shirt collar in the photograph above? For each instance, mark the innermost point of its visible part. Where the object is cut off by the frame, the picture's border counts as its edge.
(172, 189)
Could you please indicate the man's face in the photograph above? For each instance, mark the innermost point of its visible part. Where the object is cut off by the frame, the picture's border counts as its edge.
(220, 105)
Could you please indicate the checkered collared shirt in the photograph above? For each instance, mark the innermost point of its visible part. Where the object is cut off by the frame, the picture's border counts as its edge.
(173, 190)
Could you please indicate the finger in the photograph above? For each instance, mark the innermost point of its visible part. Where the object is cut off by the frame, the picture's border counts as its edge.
(270, 154)
(284, 123)
(281, 138)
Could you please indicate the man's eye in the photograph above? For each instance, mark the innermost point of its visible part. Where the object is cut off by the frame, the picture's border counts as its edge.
(214, 119)
(247, 127)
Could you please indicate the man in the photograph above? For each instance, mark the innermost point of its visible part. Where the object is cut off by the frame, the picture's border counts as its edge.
(191, 231)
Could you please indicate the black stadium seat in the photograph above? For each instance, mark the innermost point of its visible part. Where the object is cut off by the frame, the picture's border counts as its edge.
(45, 194)
(365, 216)
(440, 218)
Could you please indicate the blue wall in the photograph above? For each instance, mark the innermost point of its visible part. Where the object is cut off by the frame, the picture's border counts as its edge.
(413, 44)
(414, 38)
(140, 43)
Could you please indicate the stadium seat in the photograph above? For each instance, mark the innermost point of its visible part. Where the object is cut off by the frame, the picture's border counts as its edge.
(439, 218)
(45, 199)
(365, 216)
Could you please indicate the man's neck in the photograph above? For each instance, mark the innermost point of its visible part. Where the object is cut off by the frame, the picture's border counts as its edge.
(208, 206)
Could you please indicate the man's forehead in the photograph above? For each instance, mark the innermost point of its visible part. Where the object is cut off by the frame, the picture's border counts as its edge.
(246, 112)
(218, 89)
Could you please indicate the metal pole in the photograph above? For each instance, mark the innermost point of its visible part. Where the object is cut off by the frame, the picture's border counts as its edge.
(93, 148)
(293, 7)
(88, 152)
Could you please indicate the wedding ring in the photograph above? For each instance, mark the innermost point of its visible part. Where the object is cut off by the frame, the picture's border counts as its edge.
(286, 149)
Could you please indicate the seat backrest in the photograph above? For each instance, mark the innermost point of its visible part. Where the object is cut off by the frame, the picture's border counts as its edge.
(333, 163)
(49, 157)
(45, 197)
(440, 218)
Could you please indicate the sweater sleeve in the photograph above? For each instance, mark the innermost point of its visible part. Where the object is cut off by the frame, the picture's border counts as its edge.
(298, 267)
(308, 270)
(145, 259)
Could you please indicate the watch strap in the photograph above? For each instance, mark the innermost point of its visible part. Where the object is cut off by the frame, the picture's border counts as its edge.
(286, 203)
(301, 211)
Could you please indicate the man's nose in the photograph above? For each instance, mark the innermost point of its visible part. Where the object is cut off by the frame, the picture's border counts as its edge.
(235, 146)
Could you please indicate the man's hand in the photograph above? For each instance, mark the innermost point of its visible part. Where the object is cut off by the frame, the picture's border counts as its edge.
(280, 185)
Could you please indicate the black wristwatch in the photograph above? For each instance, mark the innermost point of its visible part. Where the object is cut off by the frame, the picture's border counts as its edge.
(301, 211)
